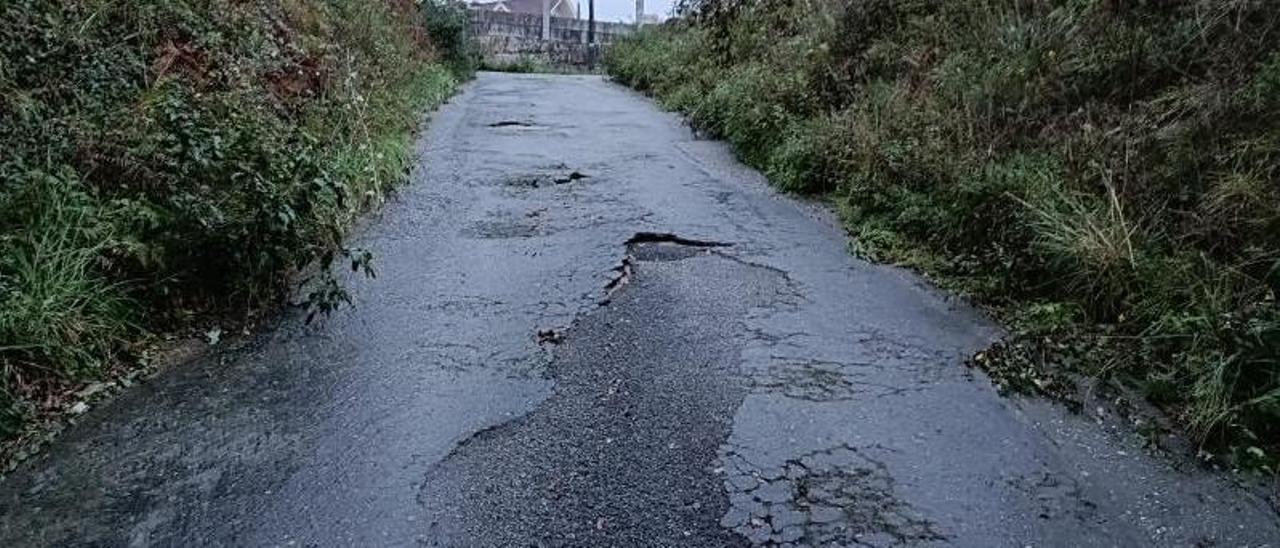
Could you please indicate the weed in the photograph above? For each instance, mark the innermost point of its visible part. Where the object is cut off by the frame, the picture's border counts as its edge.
(525, 64)
(1103, 173)
(166, 159)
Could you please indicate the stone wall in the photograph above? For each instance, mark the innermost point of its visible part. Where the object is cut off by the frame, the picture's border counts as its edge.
(510, 37)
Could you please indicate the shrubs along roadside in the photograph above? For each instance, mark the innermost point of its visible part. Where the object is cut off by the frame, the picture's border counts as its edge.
(165, 160)
(1104, 174)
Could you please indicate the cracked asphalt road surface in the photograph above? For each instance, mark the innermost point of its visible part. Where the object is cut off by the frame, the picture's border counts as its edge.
(592, 329)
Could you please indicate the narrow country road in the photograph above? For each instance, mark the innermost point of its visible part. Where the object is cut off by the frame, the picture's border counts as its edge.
(591, 328)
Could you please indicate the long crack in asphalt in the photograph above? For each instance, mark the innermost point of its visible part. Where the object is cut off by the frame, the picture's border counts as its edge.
(592, 328)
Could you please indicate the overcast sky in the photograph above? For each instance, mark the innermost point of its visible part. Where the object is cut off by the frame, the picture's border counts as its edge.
(625, 10)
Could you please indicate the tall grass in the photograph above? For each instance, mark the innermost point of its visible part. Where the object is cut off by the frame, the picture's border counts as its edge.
(61, 316)
(1113, 162)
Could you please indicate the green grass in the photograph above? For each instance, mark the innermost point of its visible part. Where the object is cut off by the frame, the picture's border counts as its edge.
(521, 65)
(61, 316)
(171, 160)
(531, 64)
(1112, 163)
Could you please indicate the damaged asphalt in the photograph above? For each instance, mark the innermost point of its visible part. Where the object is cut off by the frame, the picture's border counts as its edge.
(591, 328)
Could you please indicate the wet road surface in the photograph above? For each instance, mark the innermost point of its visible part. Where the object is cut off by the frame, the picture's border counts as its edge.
(592, 329)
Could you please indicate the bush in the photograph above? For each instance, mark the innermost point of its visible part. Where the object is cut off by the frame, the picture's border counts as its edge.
(170, 158)
(1117, 160)
(449, 26)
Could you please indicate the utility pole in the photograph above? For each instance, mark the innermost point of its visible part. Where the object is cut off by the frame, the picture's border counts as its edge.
(546, 20)
(591, 22)
(639, 13)
(591, 34)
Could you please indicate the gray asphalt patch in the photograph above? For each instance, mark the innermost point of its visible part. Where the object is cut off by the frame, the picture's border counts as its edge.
(623, 452)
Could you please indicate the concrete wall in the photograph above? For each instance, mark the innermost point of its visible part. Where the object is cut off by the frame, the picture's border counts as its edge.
(508, 37)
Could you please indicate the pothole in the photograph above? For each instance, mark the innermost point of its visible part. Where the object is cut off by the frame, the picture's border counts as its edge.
(656, 247)
(506, 226)
(515, 124)
(837, 496)
(543, 180)
(648, 383)
(666, 237)
(571, 177)
(1055, 496)
(826, 381)
(664, 247)
(525, 181)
